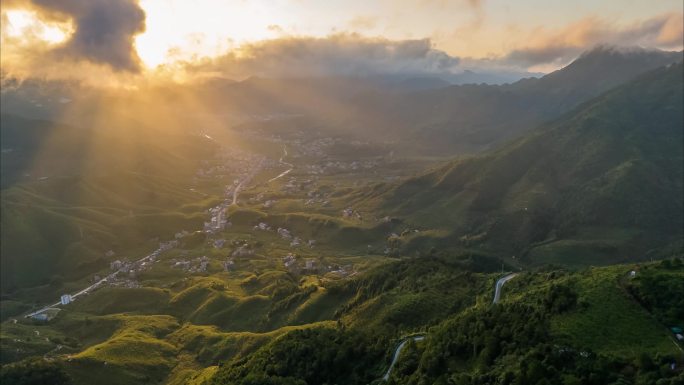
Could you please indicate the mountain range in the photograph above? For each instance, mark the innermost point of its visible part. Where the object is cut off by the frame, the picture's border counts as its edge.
(600, 184)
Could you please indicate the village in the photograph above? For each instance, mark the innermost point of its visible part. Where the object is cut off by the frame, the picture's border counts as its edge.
(125, 273)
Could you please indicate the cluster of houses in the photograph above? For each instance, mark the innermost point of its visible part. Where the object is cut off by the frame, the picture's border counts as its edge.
(262, 226)
(285, 234)
(261, 198)
(244, 250)
(314, 197)
(195, 265)
(212, 171)
(232, 161)
(164, 246)
(126, 282)
(218, 220)
(291, 187)
(219, 243)
(298, 265)
(125, 272)
(350, 213)
(228, 264)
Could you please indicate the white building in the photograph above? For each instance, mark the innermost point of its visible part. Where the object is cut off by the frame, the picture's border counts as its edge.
(284, 233)
(219, 243)
(65, 299)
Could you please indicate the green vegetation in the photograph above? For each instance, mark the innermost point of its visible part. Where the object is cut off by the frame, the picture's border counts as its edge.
(660, 289)
(311, 356)
(552, 327)
(600, 185)
(607, 320)
(367, 261)
(34, 372)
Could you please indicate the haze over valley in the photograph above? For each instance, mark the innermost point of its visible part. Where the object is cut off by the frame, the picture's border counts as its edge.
(258, 198)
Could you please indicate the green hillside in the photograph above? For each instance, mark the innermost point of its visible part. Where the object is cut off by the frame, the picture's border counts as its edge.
(302, 254)
(471, 118)
(551, 327)
(602, 184)
(70, 194)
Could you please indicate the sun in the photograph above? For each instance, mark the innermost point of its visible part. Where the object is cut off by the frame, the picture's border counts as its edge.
(188, 30)
(26, 25)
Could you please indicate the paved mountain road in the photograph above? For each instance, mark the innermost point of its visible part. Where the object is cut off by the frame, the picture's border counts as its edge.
(397, 352)
(497, 297)
(499, 285)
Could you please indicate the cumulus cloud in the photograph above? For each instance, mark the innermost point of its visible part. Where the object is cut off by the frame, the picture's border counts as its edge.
(103, 30)
(561, 46)
(340, 54)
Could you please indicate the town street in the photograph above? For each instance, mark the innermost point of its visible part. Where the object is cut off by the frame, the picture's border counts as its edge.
(282, 174)
(244, 180)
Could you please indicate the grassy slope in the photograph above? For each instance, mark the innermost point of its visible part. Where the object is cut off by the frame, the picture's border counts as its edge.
(154, 342)
(605, 179)
(614, 322)
(607, 319)
(103, 191)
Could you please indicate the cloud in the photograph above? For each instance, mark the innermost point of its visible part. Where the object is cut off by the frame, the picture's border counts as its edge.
(339, 54)
(103, 30)
(562, 46)
(363, 22)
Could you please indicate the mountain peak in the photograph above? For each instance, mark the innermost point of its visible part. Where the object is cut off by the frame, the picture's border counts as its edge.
(612, 49)
(615, 53)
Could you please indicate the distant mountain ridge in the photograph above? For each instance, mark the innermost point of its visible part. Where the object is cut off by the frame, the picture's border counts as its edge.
(425, 115)
(470, 118)
(603, 182)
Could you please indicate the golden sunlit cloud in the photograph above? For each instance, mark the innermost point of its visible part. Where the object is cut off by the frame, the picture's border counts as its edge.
(114, 41)
(188, 30)
(26, 25)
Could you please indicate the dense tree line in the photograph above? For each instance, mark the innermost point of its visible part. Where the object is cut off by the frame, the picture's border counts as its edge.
(415, 275)
(510, 344)
(312, 356)
(34, 372)
(661, 291)
(507, 344)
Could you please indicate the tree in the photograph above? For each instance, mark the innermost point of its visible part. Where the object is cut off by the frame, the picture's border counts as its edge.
(34, 372)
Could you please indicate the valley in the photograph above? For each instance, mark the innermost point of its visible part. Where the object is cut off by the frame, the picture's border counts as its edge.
(282, 248)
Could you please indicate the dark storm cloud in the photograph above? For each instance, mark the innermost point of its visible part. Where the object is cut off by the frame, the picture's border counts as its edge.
(103, 30)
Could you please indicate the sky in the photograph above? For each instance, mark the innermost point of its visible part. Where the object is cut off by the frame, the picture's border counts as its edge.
(240, 38)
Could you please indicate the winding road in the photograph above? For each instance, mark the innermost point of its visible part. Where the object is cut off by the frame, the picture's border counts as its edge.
(245, 180)
(397, 351)
(497, 297)
(499, 285)
(290, 165)
(96, 284)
